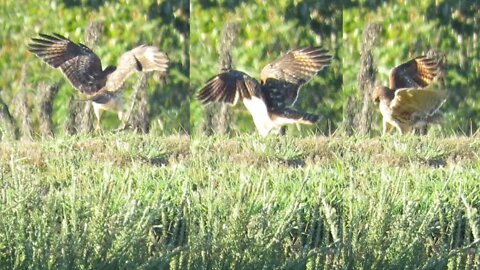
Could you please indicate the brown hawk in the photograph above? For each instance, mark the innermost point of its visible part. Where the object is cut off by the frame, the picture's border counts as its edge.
(405, 105)
(82, 67)
(271, 101)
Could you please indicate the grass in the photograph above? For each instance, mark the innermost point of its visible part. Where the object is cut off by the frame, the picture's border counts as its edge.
(139, 201)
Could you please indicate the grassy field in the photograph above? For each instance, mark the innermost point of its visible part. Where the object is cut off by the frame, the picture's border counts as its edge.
(125, 201)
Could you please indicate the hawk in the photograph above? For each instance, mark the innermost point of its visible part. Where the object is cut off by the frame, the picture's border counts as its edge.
(405, 105)
(83, 68)
(270, 101)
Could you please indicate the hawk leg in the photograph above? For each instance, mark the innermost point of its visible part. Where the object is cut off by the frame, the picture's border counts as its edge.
(386, 127)
(98, 114)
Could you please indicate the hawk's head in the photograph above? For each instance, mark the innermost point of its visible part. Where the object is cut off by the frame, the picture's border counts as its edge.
(382, 93)
(268, 72)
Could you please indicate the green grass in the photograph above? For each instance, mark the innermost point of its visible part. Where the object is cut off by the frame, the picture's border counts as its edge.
(139, 201)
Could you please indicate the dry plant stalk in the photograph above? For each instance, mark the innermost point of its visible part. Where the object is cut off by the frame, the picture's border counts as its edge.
(366, 77)
(217, 115)
(359, 112)
(47, 95)
(349, 113)
(8, 129)
(21, 109)
(74, 110)
(138, 114)
(86, 118)
(24, 112)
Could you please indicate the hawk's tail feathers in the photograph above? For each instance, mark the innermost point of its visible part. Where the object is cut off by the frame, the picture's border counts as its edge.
(291, 116)
(311, 118)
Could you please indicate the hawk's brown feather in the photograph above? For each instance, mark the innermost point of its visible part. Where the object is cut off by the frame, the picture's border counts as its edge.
(229, 87)
(297, 66)
(416, 73)
(83, 68)
(421, 101)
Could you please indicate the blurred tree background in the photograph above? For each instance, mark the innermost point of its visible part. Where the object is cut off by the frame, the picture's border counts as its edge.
(412, 28)
(267, 30)
(126, 24)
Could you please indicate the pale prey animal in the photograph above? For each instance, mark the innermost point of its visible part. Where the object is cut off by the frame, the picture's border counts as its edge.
(271, 101)
(405, 104)
(83, 68)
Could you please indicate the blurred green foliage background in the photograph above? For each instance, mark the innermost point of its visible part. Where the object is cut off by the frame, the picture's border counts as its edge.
(412, 28)
(268, 29)
(126, 24)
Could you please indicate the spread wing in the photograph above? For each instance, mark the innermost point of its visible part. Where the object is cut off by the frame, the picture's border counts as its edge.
(419, 101)
(416, 73)
(229, 87)
(143, 59)
(283, 78)
(297, 66)
(79, 64)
